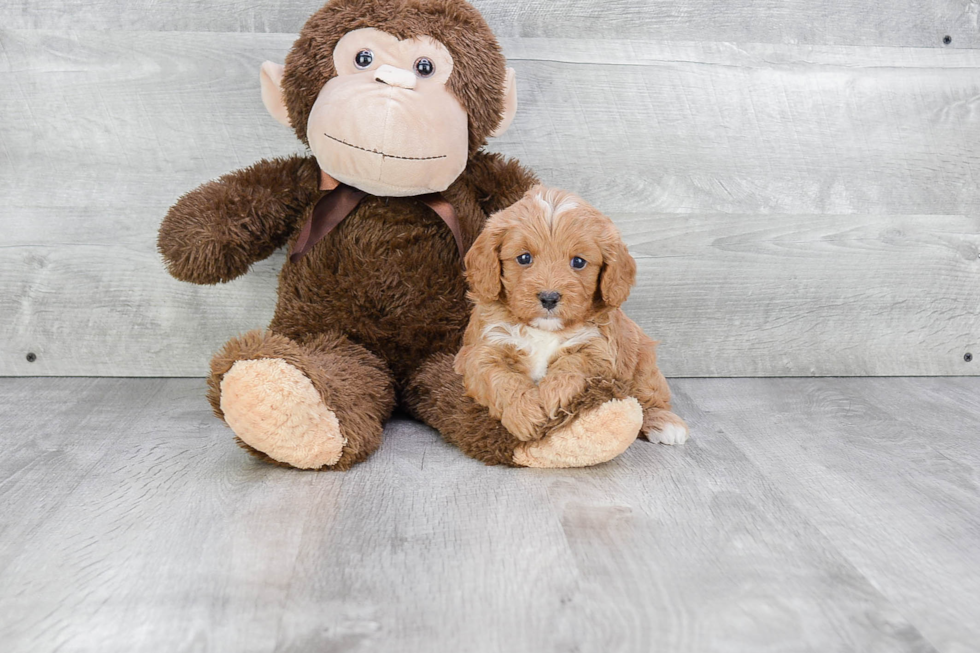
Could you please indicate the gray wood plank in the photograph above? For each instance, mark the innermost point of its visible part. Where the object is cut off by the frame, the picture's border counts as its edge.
(943, 402)
(726, 295)
(784, 295)
(919, 23)
(161, 511)
(735, 128)
(796, 210)
(136, 119)
(104, 118)
(108, 310)
(41, 465)
(176, 540)
(884, 469)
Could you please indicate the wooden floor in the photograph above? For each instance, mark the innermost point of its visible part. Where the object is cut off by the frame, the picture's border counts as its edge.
(804, 515)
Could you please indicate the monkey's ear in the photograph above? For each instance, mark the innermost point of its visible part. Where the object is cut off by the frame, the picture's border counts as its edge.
(271, 77)
(510, 103)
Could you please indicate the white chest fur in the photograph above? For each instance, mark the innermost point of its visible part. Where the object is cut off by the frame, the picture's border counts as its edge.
(538, 345)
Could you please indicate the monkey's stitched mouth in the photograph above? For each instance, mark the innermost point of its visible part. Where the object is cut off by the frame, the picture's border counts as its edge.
(387, 156)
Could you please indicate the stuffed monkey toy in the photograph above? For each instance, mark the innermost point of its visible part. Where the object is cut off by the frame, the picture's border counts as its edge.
(395, 99)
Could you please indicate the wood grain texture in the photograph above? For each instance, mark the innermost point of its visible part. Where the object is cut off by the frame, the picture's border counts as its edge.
(726, 296)
(869, 462)
(919, 23)
(820, 295)
(728, 128)
(136, 119)
(796, 210)
(804, 515)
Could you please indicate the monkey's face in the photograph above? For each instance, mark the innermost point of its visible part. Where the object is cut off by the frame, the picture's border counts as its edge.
(393, 96)
(387, 123)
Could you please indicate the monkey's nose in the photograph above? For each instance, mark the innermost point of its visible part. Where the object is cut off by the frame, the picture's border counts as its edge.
(395, 76)
(549, 298)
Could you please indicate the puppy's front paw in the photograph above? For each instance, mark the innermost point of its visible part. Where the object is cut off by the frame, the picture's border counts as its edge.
(559, 390)
(525, 418)
(670, 434)
(664, 427)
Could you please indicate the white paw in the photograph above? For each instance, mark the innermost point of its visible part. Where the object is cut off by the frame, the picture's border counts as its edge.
(671, 434)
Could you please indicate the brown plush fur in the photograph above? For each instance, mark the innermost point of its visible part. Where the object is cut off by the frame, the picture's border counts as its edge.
(383, 293)
(352, 381)
(437, 397)
(214, 233)
(509, 323)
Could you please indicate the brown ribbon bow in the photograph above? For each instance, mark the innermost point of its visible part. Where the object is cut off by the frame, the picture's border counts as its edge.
(341, 200)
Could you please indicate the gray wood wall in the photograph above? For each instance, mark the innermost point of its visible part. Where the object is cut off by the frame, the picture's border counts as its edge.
(797, 179)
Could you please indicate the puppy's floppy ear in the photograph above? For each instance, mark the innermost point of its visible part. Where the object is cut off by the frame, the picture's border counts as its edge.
(483, 268)
(618, 270)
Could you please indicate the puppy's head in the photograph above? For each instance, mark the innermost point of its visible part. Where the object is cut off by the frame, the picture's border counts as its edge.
(552, 260)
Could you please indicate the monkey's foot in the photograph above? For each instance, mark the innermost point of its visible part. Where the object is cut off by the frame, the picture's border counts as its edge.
(595, 437)
(274, 408)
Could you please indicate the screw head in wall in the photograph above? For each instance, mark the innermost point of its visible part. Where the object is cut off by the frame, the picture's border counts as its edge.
(31, 357)
(968, 357)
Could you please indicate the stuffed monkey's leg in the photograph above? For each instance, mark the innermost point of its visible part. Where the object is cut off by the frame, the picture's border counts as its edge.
(434, 395)
(317, 404)
(600, 431)
(600, 423)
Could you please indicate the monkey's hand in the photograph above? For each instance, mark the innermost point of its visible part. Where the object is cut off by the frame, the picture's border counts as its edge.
(217, 231)
(525, 417)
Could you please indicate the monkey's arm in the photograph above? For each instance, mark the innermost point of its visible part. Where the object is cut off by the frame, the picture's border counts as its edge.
(218, 230)
(499, 181)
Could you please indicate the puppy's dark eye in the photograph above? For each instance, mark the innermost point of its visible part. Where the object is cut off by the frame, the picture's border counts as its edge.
(363, 59)
(578, 262)
(424, 67)
(524, 259)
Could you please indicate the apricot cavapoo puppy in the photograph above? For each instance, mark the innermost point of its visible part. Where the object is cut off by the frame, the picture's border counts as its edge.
(548, 275)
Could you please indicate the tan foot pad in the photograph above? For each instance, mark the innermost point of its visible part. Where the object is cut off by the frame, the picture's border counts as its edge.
(273, 407)
(593, 438)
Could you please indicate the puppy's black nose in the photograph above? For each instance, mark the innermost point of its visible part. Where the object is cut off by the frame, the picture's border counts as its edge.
(549, 298)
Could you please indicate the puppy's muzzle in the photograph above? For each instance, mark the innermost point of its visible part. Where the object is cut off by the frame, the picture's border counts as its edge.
(549, 299)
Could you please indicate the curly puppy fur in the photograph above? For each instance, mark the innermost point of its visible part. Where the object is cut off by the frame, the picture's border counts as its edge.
(548, 276)
(384, 292)
(439, 399)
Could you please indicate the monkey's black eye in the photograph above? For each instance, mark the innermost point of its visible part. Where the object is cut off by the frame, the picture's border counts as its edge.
(524, 259)
(578, 262)
(363, 59)
(424, 67)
